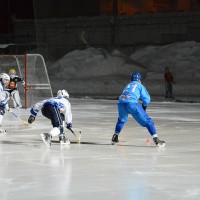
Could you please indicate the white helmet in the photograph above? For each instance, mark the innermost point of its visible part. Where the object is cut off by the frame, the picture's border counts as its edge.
(63, 93)
(5, 76)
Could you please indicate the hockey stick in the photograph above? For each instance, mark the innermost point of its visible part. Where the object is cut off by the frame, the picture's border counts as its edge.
(20, 120)
(77, 137)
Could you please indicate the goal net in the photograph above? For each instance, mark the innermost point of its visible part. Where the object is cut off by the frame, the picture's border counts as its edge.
(32, 68)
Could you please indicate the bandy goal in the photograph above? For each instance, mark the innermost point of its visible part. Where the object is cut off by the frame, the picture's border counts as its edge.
(32, 68)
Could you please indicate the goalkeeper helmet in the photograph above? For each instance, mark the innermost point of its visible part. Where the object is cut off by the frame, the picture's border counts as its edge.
(12, 71)
(5, 78)
(136, 76)
(62, 93)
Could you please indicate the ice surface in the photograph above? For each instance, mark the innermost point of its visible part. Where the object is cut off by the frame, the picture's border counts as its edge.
(96, 170)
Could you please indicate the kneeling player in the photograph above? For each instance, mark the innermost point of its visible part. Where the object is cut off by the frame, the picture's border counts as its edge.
(58, 110)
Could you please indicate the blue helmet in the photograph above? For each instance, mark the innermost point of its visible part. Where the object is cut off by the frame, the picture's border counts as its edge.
(136, 76)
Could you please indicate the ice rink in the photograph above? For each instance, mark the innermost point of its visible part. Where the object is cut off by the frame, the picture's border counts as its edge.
(95, 170)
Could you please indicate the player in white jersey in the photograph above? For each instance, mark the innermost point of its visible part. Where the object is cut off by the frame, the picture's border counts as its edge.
(58, 110)
(4, 81)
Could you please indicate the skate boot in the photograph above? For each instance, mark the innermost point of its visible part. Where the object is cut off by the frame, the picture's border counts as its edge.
(64, 140)
(158, 142)
(46, 137)
(2, 131)
(115, 139)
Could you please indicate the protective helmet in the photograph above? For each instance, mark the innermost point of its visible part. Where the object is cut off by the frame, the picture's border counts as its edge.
(4, 76)
(12, 71)
(136, 76)
(63, 93)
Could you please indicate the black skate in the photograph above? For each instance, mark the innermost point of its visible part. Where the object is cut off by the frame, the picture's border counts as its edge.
(2, 131)
(64, 140)
(158, 142)
(46, 139)
(115, 139)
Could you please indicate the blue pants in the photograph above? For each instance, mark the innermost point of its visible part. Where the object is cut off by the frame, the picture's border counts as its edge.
(53, 113)
(138, 113)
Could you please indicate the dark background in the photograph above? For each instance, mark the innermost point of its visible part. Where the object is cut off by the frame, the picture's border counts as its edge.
(32, 9)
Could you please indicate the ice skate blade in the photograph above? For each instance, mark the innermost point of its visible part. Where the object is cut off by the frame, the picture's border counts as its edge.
(3, 132)
(65, 143)
(162, 145)
(43, 139)
(114, 143)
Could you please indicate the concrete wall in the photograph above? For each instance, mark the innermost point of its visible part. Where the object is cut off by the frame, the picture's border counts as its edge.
(55, 37)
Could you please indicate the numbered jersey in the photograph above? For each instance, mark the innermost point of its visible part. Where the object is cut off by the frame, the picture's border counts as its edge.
(133, 92)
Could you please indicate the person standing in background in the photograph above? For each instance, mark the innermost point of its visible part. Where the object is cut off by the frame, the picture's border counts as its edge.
(169, 80)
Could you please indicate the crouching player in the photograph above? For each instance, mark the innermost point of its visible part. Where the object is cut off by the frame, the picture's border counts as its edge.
(58, 110)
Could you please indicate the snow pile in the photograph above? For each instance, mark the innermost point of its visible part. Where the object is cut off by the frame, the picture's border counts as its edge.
(98, 72)
(93, 72)
(183, 59)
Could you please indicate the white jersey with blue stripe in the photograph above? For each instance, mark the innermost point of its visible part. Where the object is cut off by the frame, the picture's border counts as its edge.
(133, 92)
(60, 102)
(3, 100)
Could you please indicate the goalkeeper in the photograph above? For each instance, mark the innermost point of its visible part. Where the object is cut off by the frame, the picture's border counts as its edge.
(11, 89)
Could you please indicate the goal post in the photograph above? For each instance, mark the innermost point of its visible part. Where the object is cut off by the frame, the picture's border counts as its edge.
(32, 68)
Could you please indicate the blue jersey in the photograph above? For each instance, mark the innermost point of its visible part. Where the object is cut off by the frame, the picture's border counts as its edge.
(133, 92)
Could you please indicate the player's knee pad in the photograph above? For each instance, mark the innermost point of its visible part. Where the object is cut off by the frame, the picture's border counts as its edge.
(54, 131)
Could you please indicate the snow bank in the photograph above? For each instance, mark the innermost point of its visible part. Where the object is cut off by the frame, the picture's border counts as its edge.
(98, 72)
(93, 72)
(183, 59)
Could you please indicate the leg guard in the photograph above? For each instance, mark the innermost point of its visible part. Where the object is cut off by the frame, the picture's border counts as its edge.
(7, 95)
(16, 98)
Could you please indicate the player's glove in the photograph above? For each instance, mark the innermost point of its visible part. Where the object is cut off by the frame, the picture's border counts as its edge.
(144, 107)
(25, 87)
(69, 126)
(31, 119)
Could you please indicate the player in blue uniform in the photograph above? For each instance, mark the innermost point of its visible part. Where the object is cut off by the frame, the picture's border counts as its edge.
(128, 104)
